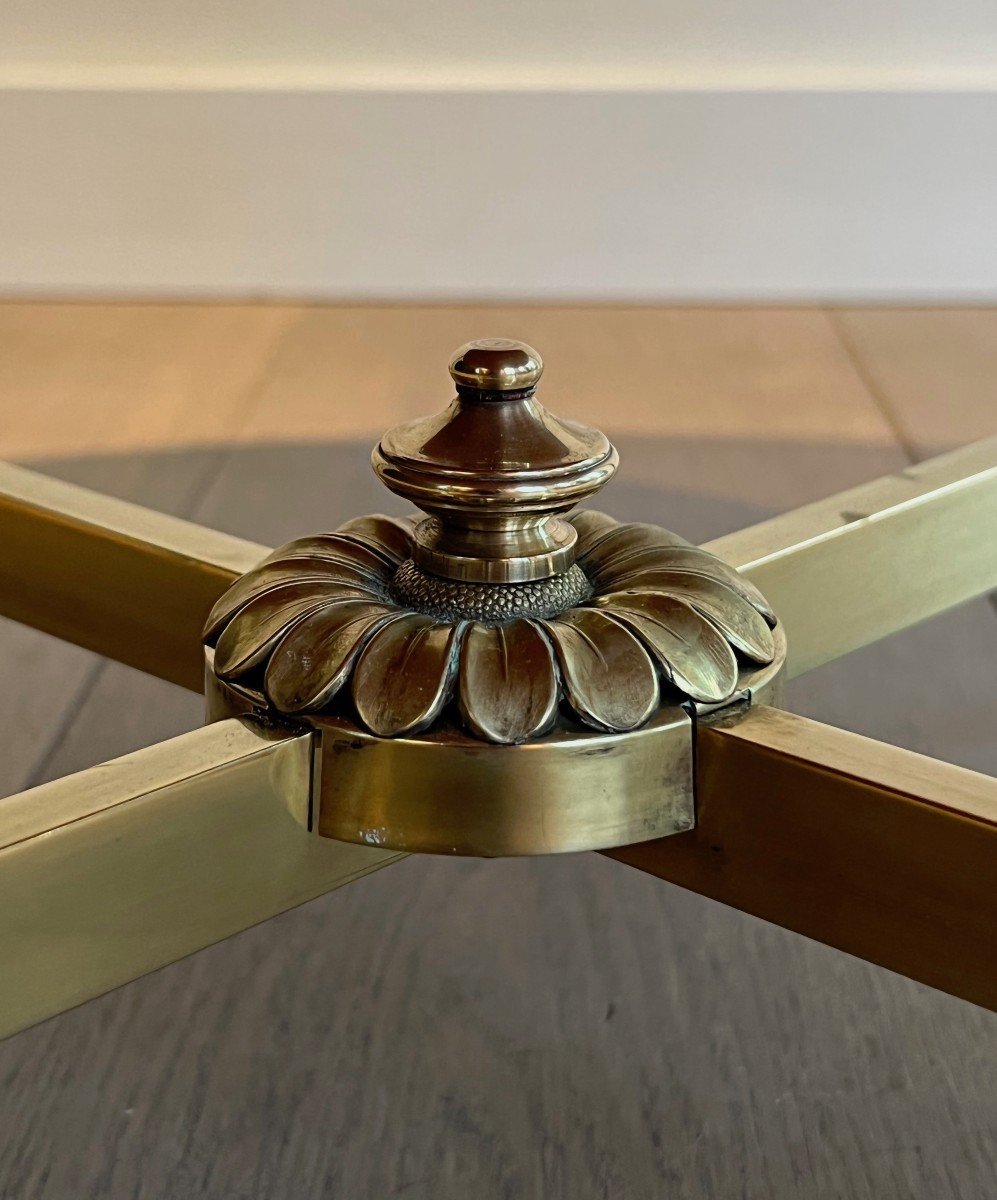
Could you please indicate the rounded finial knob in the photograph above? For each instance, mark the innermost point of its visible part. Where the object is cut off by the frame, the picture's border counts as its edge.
(494, 472)
(496, 365)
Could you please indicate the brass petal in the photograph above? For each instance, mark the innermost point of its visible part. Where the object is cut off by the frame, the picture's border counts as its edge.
(591, 527)
(508, 682)
(692, 652)
(333, 548)
(324, 573)
(740, 622)
(391, 535)
(627, 543)
(609, 678)
(251, 634)
(404, 675)
(313, 660)
(689, 560)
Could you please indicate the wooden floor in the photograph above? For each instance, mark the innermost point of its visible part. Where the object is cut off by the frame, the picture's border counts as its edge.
(564, 1027)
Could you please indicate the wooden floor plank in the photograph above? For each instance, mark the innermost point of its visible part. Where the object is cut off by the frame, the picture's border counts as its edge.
(934, 371)
(745, 374)
(84, 379)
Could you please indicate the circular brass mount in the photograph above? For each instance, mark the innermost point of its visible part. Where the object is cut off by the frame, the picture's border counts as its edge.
(445, 792)
(495, 678)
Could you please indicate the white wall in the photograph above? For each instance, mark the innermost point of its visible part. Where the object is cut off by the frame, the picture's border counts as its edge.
(881, 41)
(540, 148)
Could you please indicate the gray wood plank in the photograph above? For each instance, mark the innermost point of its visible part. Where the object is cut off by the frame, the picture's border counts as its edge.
(559, 1027)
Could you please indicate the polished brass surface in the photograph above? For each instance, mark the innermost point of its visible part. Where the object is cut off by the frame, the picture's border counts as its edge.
(129, 583)
(496, 365)
(877, 851)
(494, 472)
(445, 792)
(120, 869)
(878, 558)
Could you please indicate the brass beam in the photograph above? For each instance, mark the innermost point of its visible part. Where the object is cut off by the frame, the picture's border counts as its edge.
(120, 869)
(875, 850)
(871, 561)
(132, 584)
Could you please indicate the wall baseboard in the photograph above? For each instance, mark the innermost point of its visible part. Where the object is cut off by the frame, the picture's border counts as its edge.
(542, 195)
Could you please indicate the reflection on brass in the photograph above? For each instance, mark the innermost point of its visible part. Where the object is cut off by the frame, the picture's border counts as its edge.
(878, 558)
(360, 624)
(117, 870)
(494, 471)
(448, 792)
(496, 365)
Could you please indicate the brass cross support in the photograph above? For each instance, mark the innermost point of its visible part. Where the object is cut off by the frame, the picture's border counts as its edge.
(112, 872)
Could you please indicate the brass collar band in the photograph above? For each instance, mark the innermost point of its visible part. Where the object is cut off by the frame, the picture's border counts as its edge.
(444, 792)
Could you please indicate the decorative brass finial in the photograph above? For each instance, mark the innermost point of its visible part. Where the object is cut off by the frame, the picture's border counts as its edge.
(494, 678)
(494, 472)
(492, 613)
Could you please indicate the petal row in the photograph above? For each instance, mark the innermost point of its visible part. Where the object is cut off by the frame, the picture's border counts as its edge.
(317, 615)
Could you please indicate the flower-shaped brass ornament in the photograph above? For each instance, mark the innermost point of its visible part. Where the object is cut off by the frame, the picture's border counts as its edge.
(644, 619)
(492, 619)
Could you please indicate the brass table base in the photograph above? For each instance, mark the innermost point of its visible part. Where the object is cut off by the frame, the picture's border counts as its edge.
(127, 866)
